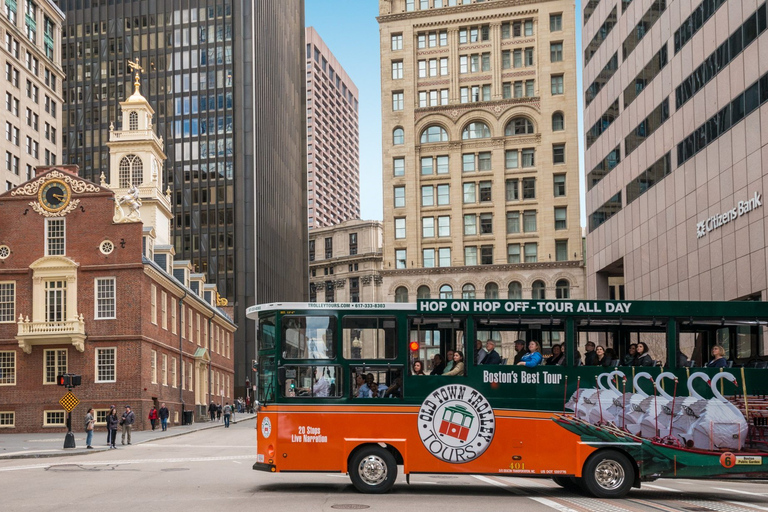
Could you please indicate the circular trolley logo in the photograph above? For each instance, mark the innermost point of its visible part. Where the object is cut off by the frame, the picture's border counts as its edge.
(456, 423)
(266, 427)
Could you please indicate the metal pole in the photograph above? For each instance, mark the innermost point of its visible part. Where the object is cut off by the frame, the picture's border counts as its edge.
(69, 439)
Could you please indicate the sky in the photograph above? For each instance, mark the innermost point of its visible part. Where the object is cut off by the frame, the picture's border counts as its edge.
(350, 30)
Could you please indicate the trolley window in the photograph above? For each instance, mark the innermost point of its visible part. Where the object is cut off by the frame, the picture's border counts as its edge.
(512, 336)
(369, 337)
(308, 337)
(436, 336)
(312, 381)
(266, 334)
(376, 381)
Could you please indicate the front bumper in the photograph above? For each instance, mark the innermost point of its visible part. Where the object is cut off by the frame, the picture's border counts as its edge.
(261, 466)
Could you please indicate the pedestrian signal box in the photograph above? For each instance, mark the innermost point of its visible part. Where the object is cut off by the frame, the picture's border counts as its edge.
(69, 380)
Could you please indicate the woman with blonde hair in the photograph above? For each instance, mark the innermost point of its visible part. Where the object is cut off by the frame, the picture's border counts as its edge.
(533, 357)
(718, 355)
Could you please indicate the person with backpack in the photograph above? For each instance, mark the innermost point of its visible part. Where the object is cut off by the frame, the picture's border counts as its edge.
(227, 413)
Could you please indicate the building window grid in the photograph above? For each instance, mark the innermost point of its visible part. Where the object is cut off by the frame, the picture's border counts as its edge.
(7, 368)
(106, 369)
(55, 364)
(105, 298)
(55, 237)
(8, 302)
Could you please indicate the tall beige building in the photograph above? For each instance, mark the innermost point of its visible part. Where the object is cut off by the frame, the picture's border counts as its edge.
(345, 262)
(333, 138)
(31, 32)
(481, 188)
(675, 94)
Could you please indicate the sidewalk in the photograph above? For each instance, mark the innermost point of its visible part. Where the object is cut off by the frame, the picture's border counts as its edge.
(27, 446)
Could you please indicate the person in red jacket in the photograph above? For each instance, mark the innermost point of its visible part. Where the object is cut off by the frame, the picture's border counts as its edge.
(153, 416)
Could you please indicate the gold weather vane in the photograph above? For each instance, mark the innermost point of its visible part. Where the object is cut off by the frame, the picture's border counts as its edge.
(135, 66)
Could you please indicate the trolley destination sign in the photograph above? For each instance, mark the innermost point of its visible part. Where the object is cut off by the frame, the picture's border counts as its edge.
(596, 307)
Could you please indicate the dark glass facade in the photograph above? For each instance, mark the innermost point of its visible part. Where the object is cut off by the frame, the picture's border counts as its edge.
(226, 79)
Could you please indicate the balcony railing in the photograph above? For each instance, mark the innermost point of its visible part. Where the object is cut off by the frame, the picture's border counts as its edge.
(33, 333)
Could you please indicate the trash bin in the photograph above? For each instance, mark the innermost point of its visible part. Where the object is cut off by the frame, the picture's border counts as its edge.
(187, 417)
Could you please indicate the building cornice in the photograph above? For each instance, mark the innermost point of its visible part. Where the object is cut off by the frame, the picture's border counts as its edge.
(465, 10)
(357, 258)
(479, 269)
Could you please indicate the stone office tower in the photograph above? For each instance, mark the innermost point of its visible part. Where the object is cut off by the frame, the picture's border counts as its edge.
(481, 185)
(333, 138)
(227, 80)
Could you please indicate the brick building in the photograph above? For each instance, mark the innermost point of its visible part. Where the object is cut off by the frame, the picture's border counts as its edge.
(88, 285)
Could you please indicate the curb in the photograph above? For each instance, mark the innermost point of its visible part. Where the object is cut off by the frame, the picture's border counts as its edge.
(104, 449)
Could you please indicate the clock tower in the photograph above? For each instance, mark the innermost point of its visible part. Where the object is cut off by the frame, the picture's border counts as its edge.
(135, 167)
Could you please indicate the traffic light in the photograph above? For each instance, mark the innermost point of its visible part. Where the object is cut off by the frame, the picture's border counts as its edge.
(247, 383)
(414, 346)
(64, 380)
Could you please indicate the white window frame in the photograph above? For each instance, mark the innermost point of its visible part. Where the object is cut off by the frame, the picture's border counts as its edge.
(97, 299)
(13, 353)
(48, 240)
(153, 366)
(165, 369)
(153, 303)
(57, 369)
(46, 423)
(12, 303)
(12, 415)
(96, 365)
(173, 372)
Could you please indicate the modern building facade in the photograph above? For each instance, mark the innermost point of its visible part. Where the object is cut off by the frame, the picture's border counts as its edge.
(333, 138)
(345, 262)
(228, 84)
(90, 286)
(32, 88)
(674, 97)
(481, 193)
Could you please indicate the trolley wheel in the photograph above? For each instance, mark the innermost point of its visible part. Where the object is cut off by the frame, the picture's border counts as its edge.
(373, 470)
(608, 474)
(569, 483)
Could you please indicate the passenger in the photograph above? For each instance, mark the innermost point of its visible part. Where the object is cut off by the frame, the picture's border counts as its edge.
(492, 357)
(438, 366)
(372, 385)
(557, 358)
(519, 351)
(396, 389)
(480, 352)
(448, 361)
(610, 354)
(682, 359)
(418, 368)
(533, 357)
(629, 358)
(590, 357)
(642, 357)
(322, 386)
(363, 391)
(718, 355)
(578, 359)
(458, 364)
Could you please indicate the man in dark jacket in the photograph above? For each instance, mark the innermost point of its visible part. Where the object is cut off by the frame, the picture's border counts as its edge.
(438, 366)
(519, 350)
(163, 413)
(212, 411)
(590, 357)
(127, 421)
(493, 357)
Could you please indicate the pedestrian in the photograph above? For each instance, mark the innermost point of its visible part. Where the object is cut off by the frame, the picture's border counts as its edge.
(153, 417)
(112, 422)
(164, 416)
(227, 413)
(212, 411)
(218, 412)
(127, 421)
(90, 422)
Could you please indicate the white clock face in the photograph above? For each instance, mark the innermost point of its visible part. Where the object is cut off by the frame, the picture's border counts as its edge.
(266, 427)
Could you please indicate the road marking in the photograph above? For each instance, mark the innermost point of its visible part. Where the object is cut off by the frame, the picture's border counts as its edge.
(543, 501)
(237, 462)
(125, 462)
(30, 451)
(661, 488)
(762, 495)
(552, 504)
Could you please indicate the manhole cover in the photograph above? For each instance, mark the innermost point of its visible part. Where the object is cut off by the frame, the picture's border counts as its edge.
(350, 506)
(175, 469)
(443, 477)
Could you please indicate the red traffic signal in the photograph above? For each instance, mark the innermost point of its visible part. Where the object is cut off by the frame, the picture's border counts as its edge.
(414, 346)
(64, 380)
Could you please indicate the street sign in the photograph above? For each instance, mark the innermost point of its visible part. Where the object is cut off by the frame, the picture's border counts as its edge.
(69, 401)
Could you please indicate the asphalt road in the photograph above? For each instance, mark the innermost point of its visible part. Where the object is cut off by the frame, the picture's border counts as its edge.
(210, 470)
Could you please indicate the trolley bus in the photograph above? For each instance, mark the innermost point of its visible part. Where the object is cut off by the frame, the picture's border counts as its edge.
(339, 391)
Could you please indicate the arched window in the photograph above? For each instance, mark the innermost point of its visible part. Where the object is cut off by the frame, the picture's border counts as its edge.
(398, 137)
(491, 291)
(401, 294)
(468, 291)
(446, 292)
(519, 126)
(476, 130)
(563, 289)
(131, 171)
(538, 290)
(515, 290)
(434, 133)
(133, 121)
(558, 122)
(423, 292)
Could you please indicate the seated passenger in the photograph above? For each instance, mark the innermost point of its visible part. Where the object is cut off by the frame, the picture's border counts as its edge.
(557, 358)
(590, 356)
(480, 352)
(438, 366)
(492, 357)
(611, 357)
(533, 357)
(417, 368)
(322, 385)
(363, 391)
(642, 357)
(448, 361)
(372, 385)
(602, 359)
(629, 358)
(718, 358)
(458, 364)
(519, 350)
(682, 359)
(396, 389)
